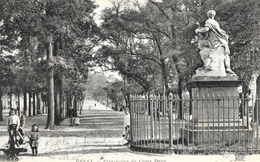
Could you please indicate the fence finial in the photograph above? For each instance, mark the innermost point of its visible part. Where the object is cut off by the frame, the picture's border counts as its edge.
(170, 95)
(143, 97)
(151, 96)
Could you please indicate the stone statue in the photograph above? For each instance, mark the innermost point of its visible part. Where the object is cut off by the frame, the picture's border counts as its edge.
(214, 49)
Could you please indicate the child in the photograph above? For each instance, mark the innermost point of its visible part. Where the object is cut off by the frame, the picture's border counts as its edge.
(8, 129)
(22, 119)
(21, 130)
(34, 137)
(77, 120)
(126, 129)
(13, 123)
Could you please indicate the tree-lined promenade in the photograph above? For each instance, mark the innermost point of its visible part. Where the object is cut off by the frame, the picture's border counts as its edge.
(49, 47)
(98, 119)
(100, 130)
(97, 139)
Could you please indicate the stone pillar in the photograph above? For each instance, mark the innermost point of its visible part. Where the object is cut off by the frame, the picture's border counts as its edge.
(215, 100)
(215, 111)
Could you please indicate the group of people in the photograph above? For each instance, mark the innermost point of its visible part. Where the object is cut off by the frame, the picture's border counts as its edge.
(15, 126)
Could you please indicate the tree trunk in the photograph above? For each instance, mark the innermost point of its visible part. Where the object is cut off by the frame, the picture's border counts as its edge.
(39, 103)
(34, 104)
(68, 103)
(254, 86)
(11, 100)
(1, 105)
(19, 106)
(43, 107)
(57, 86)
(75, 103)
(57, 100)
(25, 103)
(81, 105)
(62, 108)
(180, 112)
(30, 103)
(164, 76)
(50, 85)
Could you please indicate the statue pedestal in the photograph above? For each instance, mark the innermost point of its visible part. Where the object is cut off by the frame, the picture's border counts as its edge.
(215, 111)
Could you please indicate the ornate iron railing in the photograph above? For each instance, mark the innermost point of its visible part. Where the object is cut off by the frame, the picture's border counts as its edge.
(206, 125)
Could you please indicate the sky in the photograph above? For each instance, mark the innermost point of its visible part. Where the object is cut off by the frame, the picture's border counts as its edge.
(107, 3)
(102, 5)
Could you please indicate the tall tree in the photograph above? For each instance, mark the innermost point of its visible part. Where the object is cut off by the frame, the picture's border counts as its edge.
(133, 43)
(241, 19)
(49, 20)
(50, 84)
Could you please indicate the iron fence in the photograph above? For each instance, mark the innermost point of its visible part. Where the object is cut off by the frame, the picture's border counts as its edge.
(204, 125)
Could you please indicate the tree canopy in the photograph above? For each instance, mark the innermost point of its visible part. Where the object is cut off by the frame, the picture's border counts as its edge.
(30, 27)
(149, 44)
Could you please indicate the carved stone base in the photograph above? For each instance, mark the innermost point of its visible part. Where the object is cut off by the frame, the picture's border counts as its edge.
(215, 111)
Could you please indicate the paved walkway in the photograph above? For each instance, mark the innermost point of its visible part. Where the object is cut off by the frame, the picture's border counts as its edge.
(97, 139)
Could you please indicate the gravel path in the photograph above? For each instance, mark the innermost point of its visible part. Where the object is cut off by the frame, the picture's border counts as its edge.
(96, 139)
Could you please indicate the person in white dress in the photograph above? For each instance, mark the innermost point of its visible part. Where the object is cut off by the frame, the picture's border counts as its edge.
(126, 126)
